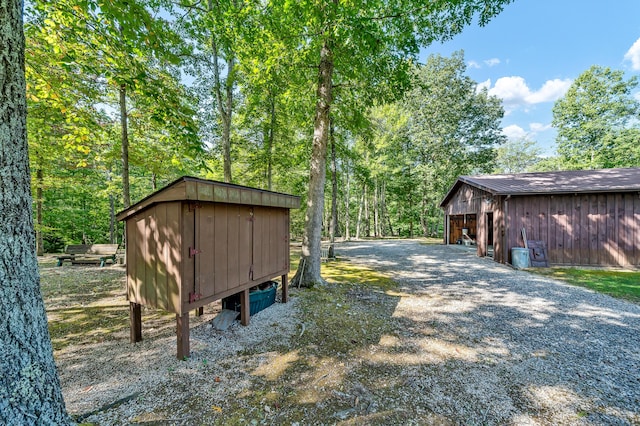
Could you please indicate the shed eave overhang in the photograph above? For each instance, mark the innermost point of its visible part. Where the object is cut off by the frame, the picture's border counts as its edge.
(189, 188)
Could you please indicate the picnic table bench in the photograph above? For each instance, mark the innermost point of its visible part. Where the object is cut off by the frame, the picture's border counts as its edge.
(89, 253)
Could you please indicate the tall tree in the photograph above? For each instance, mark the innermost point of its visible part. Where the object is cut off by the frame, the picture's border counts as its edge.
(595, 118)
(29, 386)
(357, 44)
(453, 127)
(517, 156)
(214, 27)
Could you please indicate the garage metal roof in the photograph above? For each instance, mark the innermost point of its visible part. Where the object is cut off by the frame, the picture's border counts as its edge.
(562, 182)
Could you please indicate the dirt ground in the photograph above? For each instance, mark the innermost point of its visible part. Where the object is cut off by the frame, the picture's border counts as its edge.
(403, 333)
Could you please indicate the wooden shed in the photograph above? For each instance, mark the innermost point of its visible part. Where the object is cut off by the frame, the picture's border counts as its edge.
(197, 241)
(584, 217)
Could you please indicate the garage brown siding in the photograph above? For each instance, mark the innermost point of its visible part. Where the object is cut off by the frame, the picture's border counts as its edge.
(579, 229)
(469, 200)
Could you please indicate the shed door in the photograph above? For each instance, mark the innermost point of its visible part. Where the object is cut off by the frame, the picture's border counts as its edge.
(270, 242)
(223, 245)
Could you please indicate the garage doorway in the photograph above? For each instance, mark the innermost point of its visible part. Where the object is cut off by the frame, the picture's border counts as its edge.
(460, 223)
(489, 234)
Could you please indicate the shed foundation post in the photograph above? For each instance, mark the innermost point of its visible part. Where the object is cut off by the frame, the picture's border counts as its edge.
(285, 288)
(245, 306)
(182, 322)
(135, 319)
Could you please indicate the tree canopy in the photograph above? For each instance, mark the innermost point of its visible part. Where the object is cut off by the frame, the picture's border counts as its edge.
(598, 121)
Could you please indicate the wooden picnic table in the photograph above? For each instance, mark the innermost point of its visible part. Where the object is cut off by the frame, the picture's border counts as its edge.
(89, 254)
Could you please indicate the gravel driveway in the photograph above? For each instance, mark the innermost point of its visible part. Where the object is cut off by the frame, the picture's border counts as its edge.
(484, 343)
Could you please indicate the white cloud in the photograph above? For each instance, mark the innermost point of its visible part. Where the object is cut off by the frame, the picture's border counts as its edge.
(515, 92)
(483, 85)
(514, 132)
(492, 62)
(539, 127)
(633, 55)
(637, 96)
(474, 64)
(511, 90)
(551, 91)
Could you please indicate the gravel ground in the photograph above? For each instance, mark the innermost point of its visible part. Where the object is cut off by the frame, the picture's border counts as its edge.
(484, 343)
(465, 341)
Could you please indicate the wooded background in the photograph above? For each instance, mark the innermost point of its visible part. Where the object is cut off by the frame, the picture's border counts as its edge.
(125, 98)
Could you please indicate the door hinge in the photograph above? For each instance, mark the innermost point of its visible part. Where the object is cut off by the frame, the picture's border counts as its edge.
(194, 296)
(194, 251)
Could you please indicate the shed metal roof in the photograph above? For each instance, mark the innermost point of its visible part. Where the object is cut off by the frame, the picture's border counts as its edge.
(562, 182)
(194, 189)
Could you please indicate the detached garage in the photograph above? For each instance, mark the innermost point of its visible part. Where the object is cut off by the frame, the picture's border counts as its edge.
(584, 217)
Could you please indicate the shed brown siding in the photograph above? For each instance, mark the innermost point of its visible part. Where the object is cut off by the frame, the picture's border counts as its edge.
(198, 241)
(579, 229)
(183, 255)
(154, 260)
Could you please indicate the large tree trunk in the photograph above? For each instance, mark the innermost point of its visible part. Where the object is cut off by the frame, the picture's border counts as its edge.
(308, 272)
(29, 386)
(126, 197)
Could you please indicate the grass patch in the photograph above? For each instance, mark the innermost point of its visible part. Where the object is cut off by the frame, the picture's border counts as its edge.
(620, 284)
(87, 304)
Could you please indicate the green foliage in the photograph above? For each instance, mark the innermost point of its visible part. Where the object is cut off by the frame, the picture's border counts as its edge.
(77, 58)
(517, 156)
(452, 130)
(80, 54)
(597, 120)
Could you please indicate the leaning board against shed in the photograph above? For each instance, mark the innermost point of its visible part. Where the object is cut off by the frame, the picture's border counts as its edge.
(197, 241)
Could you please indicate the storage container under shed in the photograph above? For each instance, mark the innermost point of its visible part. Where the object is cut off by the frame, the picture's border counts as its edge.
(197, 241)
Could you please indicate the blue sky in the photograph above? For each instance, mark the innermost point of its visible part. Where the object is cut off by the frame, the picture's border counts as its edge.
(530, 54)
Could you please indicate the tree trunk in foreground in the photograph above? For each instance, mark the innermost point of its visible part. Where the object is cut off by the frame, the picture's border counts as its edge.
(29, 386)
(308, 272)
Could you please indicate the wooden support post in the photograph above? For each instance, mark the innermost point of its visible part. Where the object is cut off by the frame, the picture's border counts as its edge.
(285, 288)
(135, 320)
(182, 334)
(245, 307)
(200, 311)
